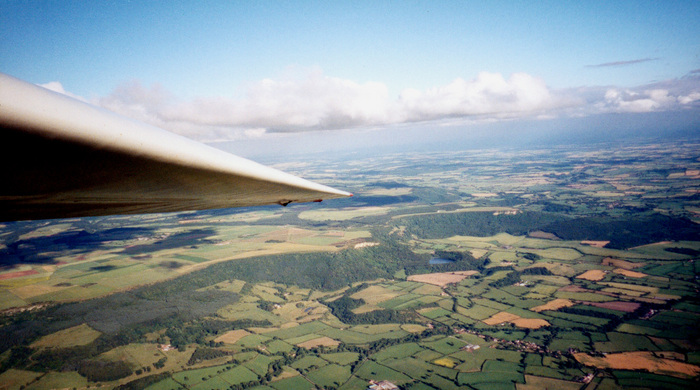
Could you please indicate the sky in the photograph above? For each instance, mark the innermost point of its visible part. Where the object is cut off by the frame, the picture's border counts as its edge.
(299, 73)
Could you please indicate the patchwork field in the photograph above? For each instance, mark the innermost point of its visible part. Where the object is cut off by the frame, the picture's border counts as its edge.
(564, 268)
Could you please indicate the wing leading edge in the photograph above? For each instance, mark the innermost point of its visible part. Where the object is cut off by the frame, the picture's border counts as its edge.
(64, 158)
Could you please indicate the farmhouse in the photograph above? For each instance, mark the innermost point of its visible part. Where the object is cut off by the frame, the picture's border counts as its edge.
(470, 347)
(165, 347)
(382, 385)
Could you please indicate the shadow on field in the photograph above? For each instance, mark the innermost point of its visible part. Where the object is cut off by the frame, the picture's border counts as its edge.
(44, 249)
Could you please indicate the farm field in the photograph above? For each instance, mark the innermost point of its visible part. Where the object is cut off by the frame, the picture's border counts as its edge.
(560, 268)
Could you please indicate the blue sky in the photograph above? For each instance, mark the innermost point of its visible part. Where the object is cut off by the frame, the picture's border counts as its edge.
(235, 70)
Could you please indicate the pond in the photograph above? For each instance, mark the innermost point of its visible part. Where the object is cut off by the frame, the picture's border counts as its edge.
(437, 260)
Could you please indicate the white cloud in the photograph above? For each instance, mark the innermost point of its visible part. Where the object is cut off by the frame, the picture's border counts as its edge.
(315, 101)
(690, 98)
(626, 100)
(56, 86)
(488, 94)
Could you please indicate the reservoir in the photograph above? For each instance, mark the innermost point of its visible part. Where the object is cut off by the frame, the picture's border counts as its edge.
(437, 260)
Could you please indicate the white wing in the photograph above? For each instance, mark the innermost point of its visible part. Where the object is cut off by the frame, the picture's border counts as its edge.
(65, 158)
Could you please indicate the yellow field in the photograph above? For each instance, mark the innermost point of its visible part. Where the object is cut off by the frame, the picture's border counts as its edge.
(446, 362)
(308, 312)
(34, 290)
(428, 289)
(71, 337)
(503, 317)
(641, 360)
(375, 294)
(559, 253)
(530, 323)
(592, 275)
(543, 235)
(389, 191)
(597, 244)
(628, 273)
(553, 305)
(366, 309)
(232, 336)
(321, 341)
(413, 328)
(442, 278)
(621, 263)
(140, 355)
(342, 215)
(500, 318)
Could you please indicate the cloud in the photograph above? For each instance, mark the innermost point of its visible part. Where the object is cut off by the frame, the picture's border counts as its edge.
(668, 95)
(630, 101)
(56, 86)
(489, 94)
(622, 63)
(315, 101)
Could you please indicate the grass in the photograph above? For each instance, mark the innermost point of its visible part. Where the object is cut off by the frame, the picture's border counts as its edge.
(445, 345)
(621, 342)
(9, 300)
(678, 318)
(433, 313)
(397, 351)
(630, 379)
(191, 378)
(350, 337)
(300, 330)
(15, 378)
(330, 375)
(370, 370)
(212, 383)
(277, 346)
(252, 341)
(438, 382)
(577, 318)
(238, 374)
(303, 338)
(491, 379)
(538, 382)
(377, 329)
(139, 355)
(583, 296)
(307, 362)
(341, 358)
(398, 301)
(295, 383)
(478, 312)
(472, 361)
(560, 344)
(165, 384)
(259, 365)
